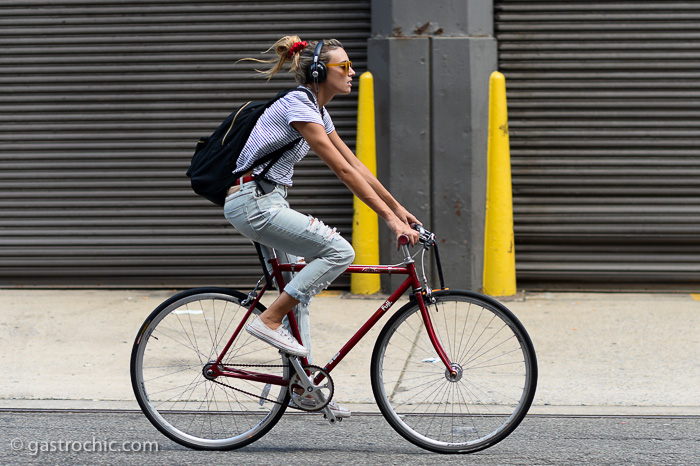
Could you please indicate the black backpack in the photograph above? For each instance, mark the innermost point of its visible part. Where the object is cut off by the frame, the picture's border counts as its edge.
(212, 167)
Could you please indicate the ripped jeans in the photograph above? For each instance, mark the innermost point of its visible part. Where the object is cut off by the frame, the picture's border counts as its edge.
(268, 220)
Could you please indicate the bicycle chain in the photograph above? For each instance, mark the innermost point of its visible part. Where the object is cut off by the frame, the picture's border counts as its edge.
(253, 395)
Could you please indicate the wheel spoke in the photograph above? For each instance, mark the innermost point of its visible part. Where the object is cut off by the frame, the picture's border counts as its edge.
(186, 333)
(492, 357)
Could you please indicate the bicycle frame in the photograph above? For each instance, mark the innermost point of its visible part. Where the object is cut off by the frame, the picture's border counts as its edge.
(217, 369)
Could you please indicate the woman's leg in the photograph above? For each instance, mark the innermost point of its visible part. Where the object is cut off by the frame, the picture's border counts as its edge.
(268, 220)
(275, 314)
(301, 311)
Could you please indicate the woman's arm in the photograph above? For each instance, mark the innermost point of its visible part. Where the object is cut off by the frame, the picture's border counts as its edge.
(355, 179)
(376, 185)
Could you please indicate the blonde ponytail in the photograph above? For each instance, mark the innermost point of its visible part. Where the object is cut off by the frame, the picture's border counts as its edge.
(299, 53)
(282, 48)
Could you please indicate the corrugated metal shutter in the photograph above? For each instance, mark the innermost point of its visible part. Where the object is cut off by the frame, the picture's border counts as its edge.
(101, 103)
(604, 116)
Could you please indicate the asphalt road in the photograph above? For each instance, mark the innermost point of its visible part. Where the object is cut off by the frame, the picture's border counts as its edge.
(61, 438)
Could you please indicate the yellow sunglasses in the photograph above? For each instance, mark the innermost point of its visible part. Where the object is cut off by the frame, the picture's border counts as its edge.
(346, 65)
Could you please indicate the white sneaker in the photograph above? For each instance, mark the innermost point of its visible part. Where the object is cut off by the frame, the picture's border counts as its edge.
(337, 410)
(280, 338)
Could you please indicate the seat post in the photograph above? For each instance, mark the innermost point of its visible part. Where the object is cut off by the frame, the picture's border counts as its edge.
(261, 258)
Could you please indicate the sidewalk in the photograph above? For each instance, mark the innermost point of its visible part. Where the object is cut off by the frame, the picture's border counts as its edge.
(598, 353)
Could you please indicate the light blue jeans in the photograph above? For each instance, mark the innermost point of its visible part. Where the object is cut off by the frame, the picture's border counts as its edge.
(268, 220)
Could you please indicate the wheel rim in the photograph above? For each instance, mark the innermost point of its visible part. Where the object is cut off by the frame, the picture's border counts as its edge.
(172, 383)
(486, 399)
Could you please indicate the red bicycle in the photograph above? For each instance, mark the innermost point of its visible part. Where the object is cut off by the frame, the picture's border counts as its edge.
(452, 371)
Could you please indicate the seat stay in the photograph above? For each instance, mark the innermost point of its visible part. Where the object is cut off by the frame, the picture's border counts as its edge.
(240, 325)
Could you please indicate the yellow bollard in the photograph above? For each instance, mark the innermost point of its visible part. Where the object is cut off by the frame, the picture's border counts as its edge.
(499, 247)
(365, 233)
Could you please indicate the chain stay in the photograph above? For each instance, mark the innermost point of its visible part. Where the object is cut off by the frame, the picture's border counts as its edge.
(253, 395)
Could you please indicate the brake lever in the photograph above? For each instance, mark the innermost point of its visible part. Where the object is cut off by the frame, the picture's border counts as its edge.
(426, 237)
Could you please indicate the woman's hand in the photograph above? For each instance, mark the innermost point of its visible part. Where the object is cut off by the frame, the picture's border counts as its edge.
(400, 228)
(406, 216)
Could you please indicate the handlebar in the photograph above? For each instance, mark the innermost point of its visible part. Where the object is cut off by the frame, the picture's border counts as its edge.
(425, 235)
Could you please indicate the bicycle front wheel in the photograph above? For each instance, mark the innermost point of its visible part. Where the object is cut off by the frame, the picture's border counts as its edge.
(169, 372)
(492, 355)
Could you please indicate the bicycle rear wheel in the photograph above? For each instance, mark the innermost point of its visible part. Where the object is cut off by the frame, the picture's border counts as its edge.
(496, 373)
(168, 361)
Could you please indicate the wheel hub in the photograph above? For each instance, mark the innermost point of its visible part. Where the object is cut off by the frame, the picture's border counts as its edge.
(209, 371)
(456, 374)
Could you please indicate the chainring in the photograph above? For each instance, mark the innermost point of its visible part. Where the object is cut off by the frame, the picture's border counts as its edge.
(305, 401)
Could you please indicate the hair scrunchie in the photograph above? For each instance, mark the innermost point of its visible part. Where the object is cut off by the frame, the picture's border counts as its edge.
(297, 47)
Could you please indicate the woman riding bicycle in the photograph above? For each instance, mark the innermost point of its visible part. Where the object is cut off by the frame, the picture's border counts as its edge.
(257, 208)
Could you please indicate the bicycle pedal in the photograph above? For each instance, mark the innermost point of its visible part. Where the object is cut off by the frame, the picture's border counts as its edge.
(330, 417)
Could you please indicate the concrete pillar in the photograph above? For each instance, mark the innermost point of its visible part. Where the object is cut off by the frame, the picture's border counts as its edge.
(431, 61)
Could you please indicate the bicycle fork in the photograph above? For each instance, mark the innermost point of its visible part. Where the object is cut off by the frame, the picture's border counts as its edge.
(453, 369)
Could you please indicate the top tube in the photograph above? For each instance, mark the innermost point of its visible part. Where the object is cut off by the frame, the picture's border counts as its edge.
(380, 269)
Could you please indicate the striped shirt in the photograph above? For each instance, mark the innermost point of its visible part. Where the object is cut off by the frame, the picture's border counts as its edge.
(273, 130)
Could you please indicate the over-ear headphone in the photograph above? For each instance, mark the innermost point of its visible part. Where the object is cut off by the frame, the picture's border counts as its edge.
(317, 70)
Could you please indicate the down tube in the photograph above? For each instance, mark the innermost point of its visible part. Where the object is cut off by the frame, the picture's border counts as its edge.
(374, 318)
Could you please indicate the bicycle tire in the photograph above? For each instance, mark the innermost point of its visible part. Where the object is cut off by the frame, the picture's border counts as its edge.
(171, 349)
(496, 382)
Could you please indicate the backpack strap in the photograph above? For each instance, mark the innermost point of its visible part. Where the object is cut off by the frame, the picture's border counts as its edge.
(313, 99)
(274, 156)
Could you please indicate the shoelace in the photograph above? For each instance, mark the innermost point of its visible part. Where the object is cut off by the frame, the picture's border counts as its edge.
(283, 332)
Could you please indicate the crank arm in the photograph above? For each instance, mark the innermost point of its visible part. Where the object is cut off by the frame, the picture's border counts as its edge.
(330, 417)
(306, 383)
